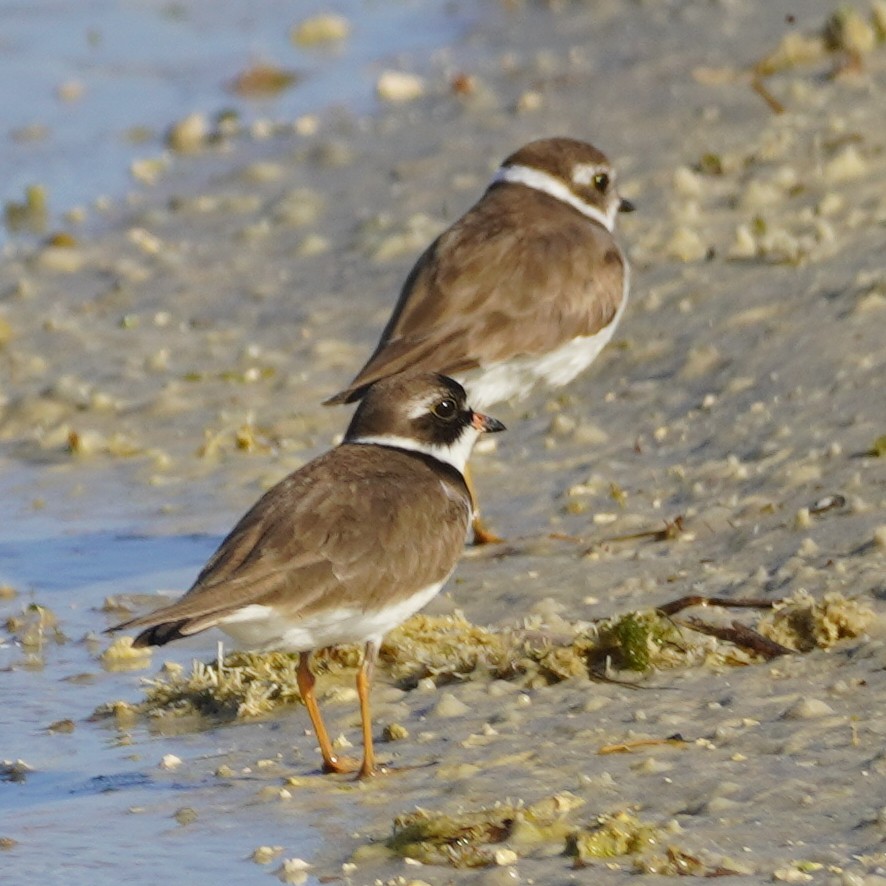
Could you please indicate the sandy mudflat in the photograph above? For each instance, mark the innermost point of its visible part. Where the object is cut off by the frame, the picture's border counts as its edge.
(157, 376)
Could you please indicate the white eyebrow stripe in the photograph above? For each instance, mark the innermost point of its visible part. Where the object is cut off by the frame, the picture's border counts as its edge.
(584, 173)
(542, 181)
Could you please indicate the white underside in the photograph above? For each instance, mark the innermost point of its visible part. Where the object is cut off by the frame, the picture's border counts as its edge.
(514, 379)
(261, 628)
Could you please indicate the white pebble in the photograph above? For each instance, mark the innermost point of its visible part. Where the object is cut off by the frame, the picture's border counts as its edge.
(450, 706)
(808, 709)
(397, 86)
(504, 857)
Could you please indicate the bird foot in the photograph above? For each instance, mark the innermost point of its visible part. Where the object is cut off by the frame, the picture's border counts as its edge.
(341, 765)
(483, 535)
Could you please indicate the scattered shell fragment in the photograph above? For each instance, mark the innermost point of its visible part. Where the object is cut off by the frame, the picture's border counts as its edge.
(263, 80)
(325, 27)
(845, 166)
(847, 30)
(266, 854)
(186, 815)
(395, 732)
(70, 91)
(399, 86)
(293, 870)
(686, 245)
(14, 770)
(808, 709)
(188, 134)
(450, 706)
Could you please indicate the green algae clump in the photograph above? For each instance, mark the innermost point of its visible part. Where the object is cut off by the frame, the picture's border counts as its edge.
(612, 835)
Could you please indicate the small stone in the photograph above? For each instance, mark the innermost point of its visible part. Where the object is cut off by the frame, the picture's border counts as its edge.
(450, 706)
(744, 245)
(687, 183)
(791, 875)
(808, 548)
(562, 425)
(170, 761)
(504, 857)
(293, 870)
(847, 30)
(70, 91)
(398, 86)
(61, 259)
(395, 732)
(322, 28)
(686, 245)
(808, 709)
(313, 244)
(529, 101)
(148, 169)
(265, 854)
(62, 726)
(802, 519)
(188, 134)
(845, 166)
(186, 815)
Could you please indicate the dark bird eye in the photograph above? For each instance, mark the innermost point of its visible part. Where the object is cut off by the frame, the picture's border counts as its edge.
(446, 409)
(601, 182)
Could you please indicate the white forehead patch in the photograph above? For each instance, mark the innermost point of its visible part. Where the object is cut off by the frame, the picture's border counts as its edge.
(584, 173)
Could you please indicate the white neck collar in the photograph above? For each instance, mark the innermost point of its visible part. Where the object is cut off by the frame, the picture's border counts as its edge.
(455, 455)
(543, 181)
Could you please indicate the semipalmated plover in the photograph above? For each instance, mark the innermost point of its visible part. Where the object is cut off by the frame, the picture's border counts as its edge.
(348, 546)
(528, 286)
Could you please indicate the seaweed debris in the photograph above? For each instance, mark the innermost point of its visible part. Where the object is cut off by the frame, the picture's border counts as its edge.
(448, 648)
(471, 839)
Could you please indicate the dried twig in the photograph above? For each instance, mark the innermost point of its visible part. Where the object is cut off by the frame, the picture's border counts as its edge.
(762, 90)
(743, 636)
(681, 603)
(626, 747)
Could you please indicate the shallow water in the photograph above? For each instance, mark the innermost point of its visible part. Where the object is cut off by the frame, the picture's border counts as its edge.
(144, 65)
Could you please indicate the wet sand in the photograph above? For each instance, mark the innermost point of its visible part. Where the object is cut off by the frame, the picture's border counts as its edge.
(158, 376)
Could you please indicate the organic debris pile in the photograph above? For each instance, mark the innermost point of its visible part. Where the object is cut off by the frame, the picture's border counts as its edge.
(446, 648)
(471, 839)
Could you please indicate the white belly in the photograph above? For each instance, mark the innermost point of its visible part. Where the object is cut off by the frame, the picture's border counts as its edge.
(259, 627)
(515, 378)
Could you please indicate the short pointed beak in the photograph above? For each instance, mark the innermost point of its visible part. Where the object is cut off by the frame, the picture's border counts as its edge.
(486, 423)
(626, 206)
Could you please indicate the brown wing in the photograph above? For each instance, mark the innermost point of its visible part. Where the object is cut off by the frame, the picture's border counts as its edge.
(355, 527)
(532, 266)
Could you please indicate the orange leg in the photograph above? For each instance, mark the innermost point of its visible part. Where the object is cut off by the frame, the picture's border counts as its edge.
(364, 682)
(306, 680)
(482, 534)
